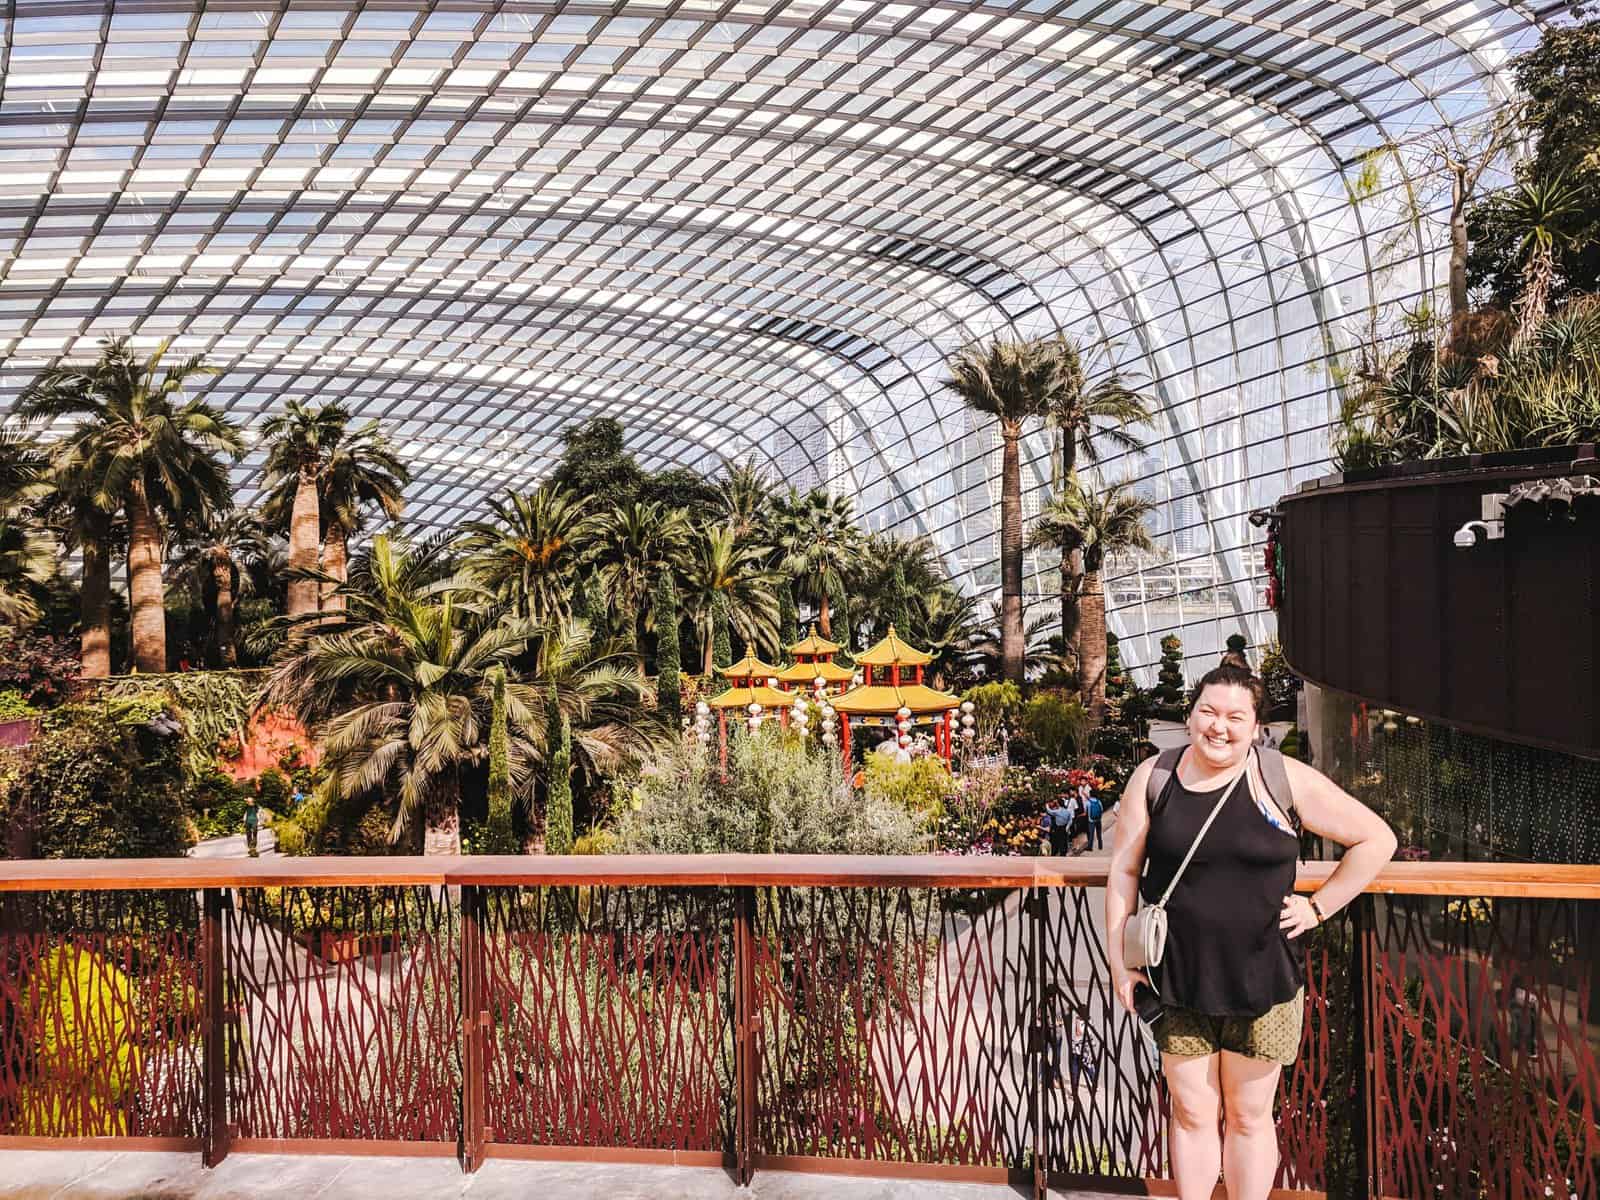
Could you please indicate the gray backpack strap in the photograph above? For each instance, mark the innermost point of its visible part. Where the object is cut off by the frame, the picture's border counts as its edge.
(1276, 776)
(1161, 772)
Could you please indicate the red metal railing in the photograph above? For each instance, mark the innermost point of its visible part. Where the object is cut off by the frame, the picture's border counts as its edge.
(909, 1016)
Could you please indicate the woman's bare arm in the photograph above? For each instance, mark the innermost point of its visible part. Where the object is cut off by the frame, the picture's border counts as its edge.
(1122, 877)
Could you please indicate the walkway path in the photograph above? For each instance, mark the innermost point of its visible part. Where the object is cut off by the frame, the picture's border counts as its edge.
(79, 1175)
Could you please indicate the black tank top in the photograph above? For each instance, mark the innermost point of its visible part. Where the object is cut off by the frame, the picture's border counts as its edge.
(1225, 955)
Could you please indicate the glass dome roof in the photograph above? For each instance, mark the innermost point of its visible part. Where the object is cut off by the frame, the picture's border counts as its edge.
(751, 229)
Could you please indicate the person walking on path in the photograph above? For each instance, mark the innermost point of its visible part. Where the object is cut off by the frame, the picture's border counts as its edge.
(252, 819)
(1061, 827)
(1210, 828)
(1096, 812)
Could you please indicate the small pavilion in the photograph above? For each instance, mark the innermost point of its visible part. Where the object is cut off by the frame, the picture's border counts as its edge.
(893, 694)
(813, 660)
(748, 685)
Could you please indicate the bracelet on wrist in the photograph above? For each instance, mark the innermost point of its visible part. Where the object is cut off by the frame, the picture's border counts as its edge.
(1316, 908)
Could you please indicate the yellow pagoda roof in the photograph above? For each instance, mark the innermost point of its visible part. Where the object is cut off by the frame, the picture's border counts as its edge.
(747, 667)
(742, 697)
(891, 651)
(814, 645)
(882, 699)
(804, 673)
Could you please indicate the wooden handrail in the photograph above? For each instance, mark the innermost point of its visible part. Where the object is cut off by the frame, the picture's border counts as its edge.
(1511, 880)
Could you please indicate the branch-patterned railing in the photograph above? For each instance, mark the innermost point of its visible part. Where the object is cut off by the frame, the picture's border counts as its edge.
(905, 1016)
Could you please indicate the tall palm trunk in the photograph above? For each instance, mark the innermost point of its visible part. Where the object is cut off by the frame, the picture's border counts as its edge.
(824, 614)
(1460, 301)
(1071, 559)
(227, 632)
(1011, 643)
(336, 563)
(96, 608)
(145, 593)
(304, 523)
(1092, 644)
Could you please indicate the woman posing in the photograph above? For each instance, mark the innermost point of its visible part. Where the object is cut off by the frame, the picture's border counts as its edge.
(1231, 979)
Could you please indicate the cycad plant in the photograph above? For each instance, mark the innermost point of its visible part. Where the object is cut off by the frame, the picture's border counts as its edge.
(146, 450)
(1099, 523)
(27, 553)
(401, 690)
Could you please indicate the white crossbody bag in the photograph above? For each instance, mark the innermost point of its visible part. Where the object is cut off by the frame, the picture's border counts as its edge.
(1144, 934)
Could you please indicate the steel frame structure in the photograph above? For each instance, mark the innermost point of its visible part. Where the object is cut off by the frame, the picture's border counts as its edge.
(748, 228)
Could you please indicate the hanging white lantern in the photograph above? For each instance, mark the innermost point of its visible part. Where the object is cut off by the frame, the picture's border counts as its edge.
(967, 721)
(772, 681)
(904, 741)
(966, 706)
(702, 708)
(903, 713)
(754, 710)
(968, 734)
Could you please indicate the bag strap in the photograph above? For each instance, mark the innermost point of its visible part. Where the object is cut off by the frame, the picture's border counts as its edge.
(1161, 772)
(1276, 776)
(1199, 837)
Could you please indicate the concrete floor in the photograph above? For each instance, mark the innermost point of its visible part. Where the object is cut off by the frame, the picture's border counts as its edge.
(97, 1175)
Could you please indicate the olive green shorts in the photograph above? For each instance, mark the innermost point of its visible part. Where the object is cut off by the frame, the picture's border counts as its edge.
(1273, 1036)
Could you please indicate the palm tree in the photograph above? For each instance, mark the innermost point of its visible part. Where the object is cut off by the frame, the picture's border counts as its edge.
(301, 442)
(1099, 523)
(819, 546)
(217, 558)
(746, 497)
(1084, 416)
(948, 630)
(720, 564)
(1014, 382)
(529, 554)
(633, 544)
(27, 561)
(152, 454)
(400, 688)
(83, 518)
(27, 554)
(360, 469)
(400, 684)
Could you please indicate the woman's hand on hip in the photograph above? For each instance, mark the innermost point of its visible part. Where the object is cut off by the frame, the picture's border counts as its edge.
(1297, 916)
(1123, 981)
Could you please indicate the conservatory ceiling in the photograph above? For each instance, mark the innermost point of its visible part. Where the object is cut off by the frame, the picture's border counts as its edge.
(745, 229)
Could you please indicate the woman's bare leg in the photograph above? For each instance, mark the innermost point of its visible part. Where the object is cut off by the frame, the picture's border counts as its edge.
(1195, 1087)
(1250, 1143)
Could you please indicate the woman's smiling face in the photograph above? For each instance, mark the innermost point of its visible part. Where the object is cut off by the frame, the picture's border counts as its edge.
(1222, 726)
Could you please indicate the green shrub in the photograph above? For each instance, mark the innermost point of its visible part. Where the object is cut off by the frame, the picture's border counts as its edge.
(272, 790)
(921, 787)
(98, 781)
(780, 797)
(1057, 725)
(668, 660)
(218, 802)
(14, 706)
(596, 841)
(558, 794)
(291, 837)
(993, 705)
(496, 836)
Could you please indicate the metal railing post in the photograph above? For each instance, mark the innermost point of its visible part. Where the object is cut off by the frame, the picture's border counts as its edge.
(744, 1034)
(1036, 904)
(213, 1027)
(1364, 948)
(474, 1030)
